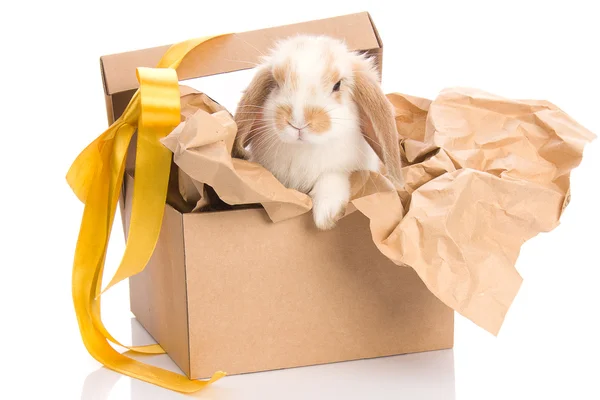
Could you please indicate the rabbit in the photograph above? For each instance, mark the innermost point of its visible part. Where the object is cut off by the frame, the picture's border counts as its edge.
(307, 115)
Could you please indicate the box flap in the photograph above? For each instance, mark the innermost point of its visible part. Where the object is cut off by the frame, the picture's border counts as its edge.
(236, 52)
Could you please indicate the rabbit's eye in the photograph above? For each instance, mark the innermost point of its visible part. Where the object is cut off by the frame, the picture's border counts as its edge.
(336, 87)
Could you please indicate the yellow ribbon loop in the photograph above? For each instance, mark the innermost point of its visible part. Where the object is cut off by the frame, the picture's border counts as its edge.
(96, 177)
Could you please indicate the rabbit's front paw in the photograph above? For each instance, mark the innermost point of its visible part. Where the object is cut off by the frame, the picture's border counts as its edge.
(330, 195)
(327, 211)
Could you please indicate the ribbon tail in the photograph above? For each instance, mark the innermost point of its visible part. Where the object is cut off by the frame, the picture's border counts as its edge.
(96, 178)
(119, 152)
(87, 273)
(153, 162)
(116, 159)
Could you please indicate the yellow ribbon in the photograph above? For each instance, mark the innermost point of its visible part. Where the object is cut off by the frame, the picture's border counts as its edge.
(96, 177)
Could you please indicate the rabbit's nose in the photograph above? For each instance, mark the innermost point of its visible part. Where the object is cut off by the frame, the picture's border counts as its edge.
(295, 126)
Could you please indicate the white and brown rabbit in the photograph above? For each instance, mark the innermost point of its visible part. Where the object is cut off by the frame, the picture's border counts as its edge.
(305, 116)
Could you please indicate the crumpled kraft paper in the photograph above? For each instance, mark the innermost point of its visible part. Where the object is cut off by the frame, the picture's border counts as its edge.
(192, 195)
(483, 175)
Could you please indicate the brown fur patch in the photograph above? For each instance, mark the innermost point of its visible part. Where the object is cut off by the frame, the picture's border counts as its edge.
(338, 97)
(279, 73)
(283, 113)
(317, 119)
(331, 75)
(378, 116)
(285, 74)
(246, 114)
(293, 79)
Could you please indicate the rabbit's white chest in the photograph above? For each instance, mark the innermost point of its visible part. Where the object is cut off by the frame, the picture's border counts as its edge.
(299, 166)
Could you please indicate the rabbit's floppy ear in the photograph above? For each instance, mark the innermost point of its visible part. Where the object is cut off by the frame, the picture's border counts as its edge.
(377, 118)
(247, 115)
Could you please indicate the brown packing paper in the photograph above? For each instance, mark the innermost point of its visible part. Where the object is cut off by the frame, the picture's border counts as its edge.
(202, 145)
(483, 175)
(192, 191)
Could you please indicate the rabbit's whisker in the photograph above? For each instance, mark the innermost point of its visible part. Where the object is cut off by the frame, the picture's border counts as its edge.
(257, 133)
(249, 44)
(241, 61)
(253, 106)
(254, 119)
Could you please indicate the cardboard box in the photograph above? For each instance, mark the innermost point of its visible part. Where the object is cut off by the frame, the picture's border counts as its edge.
(232, 291)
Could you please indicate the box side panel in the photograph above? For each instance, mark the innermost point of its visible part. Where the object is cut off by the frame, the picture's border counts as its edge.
(119, 102)
(265, 296)
(234, 53)
(158, 294)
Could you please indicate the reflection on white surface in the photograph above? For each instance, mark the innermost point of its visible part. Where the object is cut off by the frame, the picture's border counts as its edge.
(428, 375)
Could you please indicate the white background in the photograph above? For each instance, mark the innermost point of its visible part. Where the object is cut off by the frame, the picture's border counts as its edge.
(52, 106)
